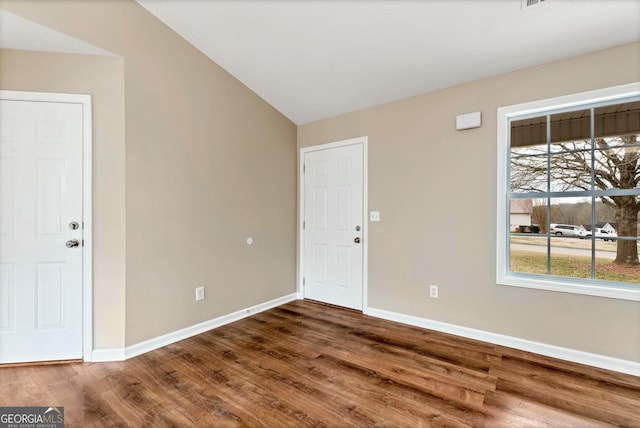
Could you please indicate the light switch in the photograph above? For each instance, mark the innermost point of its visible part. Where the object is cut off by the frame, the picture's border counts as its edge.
(374, 216)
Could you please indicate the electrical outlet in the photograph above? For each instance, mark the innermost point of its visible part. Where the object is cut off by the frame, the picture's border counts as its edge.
(199, 293)
(433, 291)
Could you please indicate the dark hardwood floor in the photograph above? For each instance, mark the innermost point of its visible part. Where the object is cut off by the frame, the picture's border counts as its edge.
(306, 364)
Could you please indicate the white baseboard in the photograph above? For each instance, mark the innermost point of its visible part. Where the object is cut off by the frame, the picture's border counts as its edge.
(104, 355)
(166, 339)
(121, 354)
(581, 357)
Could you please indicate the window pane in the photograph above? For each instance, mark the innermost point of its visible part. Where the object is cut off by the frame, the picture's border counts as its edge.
(529, 132)
(539, 215)
(575, 212)
(529, 159)
(528, 173)
(528, 241)
(617, 162)
(571, 126)
(617, 119)
(569, 265)
(606, 267)
(618, 224)
(570, 147)
(570, 171)
(606, 225)
(570, 257)
(528, 254)
(626, 220)
(570, 246)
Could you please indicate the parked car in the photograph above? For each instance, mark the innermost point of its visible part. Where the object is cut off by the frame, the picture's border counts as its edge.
(568, 230)
(607, 235)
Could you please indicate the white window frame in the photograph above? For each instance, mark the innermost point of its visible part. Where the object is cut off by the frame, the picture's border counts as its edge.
(567, 285)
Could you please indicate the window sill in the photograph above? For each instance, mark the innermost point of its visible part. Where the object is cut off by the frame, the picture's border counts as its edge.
(562, 285)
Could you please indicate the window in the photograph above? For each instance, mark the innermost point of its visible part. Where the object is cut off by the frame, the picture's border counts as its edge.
(569, 193)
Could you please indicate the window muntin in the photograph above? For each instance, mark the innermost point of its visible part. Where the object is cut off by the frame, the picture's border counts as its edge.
(572, 165)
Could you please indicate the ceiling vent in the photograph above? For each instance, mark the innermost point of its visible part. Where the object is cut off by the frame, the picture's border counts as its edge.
(527, 4)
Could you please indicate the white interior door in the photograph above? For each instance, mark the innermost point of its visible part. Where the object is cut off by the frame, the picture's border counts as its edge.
(41, 290)
(333, 231)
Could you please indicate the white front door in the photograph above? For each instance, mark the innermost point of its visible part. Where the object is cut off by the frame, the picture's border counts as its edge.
(41, 220)
(333, 215)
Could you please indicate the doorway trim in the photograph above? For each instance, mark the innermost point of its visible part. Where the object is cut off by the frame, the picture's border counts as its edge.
(364, 141)
(87, 203)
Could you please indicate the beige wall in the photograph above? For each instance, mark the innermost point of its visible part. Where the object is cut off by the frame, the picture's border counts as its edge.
(208, 164)
(102, 78)
(436, 190)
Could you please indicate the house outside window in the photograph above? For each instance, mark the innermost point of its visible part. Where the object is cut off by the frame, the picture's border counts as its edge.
(569, 170)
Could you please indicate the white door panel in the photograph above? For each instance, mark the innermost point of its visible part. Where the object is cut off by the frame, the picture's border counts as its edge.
(334, 221)
(40, 195)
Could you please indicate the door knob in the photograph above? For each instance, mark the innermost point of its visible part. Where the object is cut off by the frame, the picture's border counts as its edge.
(357, 240)
(72, 243)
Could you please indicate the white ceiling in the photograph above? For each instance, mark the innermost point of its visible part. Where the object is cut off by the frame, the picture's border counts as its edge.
(17, 32)
(313, 59)
(320, 58)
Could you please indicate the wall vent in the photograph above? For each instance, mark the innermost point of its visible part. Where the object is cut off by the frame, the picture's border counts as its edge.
(526, 4)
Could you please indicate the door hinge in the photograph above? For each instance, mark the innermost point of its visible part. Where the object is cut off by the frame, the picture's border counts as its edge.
(304, 224)
(303, 281)
(304, 168)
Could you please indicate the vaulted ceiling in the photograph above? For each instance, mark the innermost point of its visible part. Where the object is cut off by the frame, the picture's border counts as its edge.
(313, 59)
